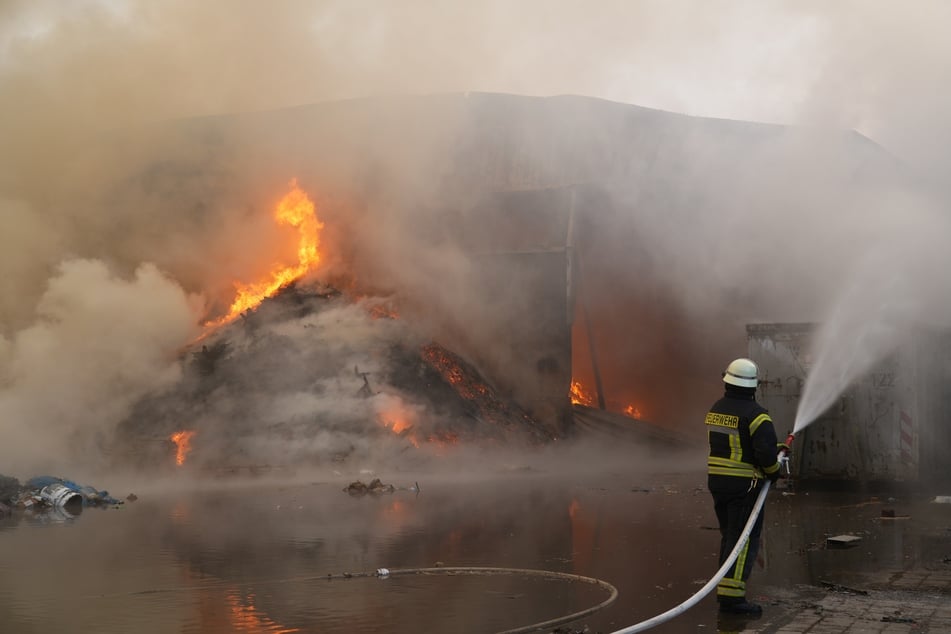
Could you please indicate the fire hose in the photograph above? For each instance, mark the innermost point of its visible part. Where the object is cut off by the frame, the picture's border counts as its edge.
(677, 610)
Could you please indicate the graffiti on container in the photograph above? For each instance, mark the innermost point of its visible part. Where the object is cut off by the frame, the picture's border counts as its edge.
(883, 380)
(907, 435)
(882, 409)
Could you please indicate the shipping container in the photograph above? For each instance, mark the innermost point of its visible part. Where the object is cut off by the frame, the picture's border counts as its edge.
(891, 425)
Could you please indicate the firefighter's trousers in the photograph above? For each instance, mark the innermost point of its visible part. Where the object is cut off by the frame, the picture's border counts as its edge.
(733, 510)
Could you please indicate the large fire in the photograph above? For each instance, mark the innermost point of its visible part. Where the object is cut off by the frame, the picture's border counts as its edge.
(183, 444)
(579, 395)
(297, 210)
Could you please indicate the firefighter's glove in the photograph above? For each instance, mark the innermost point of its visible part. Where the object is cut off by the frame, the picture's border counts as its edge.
(781, 446)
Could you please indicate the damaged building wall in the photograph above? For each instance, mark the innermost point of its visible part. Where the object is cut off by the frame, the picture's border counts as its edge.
(416, 192)
(519, 245)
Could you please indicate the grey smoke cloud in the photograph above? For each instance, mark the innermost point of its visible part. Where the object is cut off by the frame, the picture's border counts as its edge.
(853, 64)
(80, 76)
(99, 342)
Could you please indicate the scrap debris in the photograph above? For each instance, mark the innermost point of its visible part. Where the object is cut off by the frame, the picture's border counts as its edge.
(843, 541)
(375, 487)
(897, 619)
(889, 514)
(45, 494)
(838, 587)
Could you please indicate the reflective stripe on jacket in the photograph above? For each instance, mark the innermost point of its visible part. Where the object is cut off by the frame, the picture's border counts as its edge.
(742, 439)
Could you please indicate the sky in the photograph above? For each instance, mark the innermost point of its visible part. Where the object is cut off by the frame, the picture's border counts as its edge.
(864, 65)
(88, 67)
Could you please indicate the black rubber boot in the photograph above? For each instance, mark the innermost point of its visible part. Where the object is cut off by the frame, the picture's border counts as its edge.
(740, 607)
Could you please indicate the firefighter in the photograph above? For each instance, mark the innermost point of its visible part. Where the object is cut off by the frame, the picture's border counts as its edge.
(743, 453)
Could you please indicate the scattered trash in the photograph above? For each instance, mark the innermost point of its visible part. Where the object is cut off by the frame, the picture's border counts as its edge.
(91, 496)
(9, 487)
(836, 587)
(375, 487)
(58, 495)
(897, 619)
(889, 514)
(942, 499)
(843, 541)
(132, 497)
(61, 499)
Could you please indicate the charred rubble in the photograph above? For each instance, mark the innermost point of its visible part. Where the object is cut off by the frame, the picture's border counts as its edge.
(287, 354)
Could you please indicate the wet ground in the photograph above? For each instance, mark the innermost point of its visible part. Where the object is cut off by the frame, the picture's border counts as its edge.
(255, 557)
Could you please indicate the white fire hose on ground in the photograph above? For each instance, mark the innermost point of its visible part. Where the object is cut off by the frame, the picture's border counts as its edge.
(783, 459)
(710, 585)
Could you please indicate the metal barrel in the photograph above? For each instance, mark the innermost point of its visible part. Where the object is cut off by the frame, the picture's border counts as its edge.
(60, 496)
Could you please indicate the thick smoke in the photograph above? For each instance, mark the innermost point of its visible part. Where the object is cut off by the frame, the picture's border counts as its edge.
(127, 208)
(99, 343)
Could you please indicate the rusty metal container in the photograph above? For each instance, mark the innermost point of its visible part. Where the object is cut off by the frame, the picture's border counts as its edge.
(891, 425)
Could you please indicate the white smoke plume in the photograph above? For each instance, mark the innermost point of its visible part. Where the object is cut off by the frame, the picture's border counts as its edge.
(99, 342)
(128, 207)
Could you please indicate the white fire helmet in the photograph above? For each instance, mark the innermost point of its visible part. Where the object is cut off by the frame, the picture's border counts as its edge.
(740, 372)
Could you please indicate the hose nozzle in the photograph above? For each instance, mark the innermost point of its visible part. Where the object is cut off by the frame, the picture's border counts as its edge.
(784, 453)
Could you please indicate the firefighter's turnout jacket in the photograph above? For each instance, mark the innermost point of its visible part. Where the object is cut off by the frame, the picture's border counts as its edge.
(742, 442)
(742, 452)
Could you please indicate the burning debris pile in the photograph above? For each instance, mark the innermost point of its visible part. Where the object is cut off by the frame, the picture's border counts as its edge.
(313, 377)
(301, 373)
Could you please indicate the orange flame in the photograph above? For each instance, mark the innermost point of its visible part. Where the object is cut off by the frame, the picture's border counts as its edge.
(183, 444)
(397, 418)
(452, 371)
(442, 441)
(297, 210)
(580, 396)
(399, 426)
(633, 412)
(384, 311)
